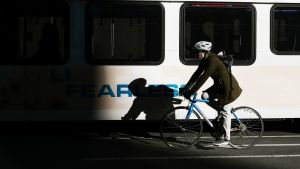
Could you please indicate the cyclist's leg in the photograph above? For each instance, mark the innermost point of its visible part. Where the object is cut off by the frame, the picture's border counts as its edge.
(211, 95)
(227, 120)
(223, 111)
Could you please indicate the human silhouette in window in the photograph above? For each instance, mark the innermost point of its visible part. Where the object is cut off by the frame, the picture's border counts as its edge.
(154, 101)
(49, 47)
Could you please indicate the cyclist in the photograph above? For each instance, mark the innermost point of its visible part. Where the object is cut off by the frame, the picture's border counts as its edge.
(222, 93)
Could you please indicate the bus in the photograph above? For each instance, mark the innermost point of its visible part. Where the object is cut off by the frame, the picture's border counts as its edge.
(72, 60)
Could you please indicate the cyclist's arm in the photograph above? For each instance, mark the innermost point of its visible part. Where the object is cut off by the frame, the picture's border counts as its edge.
(208, 71)
(194, 77)
(135, 110)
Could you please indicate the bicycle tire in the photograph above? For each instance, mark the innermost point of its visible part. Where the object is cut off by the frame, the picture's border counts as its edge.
(178, 133)
(249, 132)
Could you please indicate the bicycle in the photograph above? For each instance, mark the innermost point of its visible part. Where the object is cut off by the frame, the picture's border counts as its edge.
(181, 127)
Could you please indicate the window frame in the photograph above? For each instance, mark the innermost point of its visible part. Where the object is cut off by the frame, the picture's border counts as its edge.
(272, 31)
(30, 9)
(235, 62)
(88, 32)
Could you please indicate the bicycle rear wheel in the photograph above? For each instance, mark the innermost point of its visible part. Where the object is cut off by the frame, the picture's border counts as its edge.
(246, 127)
(179, 133)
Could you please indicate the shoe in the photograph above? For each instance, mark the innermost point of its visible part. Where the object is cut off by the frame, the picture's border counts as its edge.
(219, 139)
(223, 143)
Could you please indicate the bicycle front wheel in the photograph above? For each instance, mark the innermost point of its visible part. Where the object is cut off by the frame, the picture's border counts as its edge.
(178, 131)
(246, 127)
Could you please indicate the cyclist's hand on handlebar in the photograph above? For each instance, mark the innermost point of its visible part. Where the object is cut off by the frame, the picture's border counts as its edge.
(181, 91)
(186, 93)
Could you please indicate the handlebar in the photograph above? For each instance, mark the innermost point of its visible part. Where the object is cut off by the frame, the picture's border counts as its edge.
(194, 99)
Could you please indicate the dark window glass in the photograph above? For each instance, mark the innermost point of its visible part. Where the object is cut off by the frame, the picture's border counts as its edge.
(230, 27)
(33, 32)
(124, 33)
(285, 36)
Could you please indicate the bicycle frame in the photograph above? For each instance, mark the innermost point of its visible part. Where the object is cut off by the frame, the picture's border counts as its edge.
(194, 106)
(179, 131)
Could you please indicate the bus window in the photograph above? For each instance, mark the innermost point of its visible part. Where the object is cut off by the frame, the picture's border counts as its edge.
(285, 34)
(33, 32)
(124, 33)
(230, 27)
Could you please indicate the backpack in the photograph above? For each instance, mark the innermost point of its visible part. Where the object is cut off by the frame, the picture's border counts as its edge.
(226, 59)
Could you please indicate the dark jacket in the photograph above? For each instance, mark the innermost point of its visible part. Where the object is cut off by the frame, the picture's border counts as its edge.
(212, 66)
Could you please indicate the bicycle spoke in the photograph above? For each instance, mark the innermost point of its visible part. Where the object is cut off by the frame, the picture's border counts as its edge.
(249, 132)
(188, 137)
(172, 121)
(179, 133)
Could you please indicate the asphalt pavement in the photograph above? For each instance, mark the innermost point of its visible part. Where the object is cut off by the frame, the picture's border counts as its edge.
(94, 150)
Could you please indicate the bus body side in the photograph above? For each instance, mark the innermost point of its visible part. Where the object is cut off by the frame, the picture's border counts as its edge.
(102, 50)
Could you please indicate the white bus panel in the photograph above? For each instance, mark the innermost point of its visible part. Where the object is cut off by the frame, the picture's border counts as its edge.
(73, 60)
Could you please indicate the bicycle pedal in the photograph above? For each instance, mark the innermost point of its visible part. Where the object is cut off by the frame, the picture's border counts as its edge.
(235, 129)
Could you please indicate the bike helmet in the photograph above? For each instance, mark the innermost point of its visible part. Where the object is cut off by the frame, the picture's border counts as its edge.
(203, 46)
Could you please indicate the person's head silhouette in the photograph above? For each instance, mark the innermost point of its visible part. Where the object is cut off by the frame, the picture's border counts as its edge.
(49, 45)
(138, 87)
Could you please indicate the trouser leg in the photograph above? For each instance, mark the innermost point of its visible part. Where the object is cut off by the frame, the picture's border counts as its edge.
(212, 103)
(227, 120)
(225, 111)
